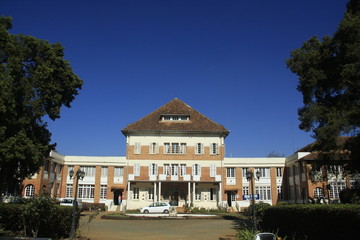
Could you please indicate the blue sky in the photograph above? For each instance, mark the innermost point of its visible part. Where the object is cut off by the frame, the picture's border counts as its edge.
(225, 58)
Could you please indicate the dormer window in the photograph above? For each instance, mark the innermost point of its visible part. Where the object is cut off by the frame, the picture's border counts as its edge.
(175, 117)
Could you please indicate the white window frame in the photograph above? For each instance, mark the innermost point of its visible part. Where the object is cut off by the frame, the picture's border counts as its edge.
(174, 148)
(318, 192)
(89, 170)
(153, 169)
(182, 148)
(154, 148)
(136, 193)
(118, 171)
(214, 149)
(212, 170)
(103, 191)
(150, 194)
(199, 148)
(29, 191)
(196, 170)
(137, 148)
(279, 172)
(264, 172)
(174, 169)
(104, 171)
(137, 169)
(182, 169)
(244, 171)
(166, 170)
(86, 191)
(69, 188)
(230, 172)
(264, 192)
(245, 190)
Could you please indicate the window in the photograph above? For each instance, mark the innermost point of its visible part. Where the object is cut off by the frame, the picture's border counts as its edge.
(182, 148)
(167, 169)
(136, 193)
(214, 148)
(137, 148)
(86, 191)
(318, 192)
(230, 172)
(150, 194)
(196, 170)
(29, 190)
(175, 118)
(264, 172)
(244, 170)
(89, 171)
(264, 192)
(199, 148)
(118, 172)
(69, 188)
(336, 188)
(153, 169)
(104, 171)
(103, 191)
(197, 194)
(212, 170)
(166, 148)
(136, 169)
(174, 169)
(70, 168)
(245, 191)
(174, 148)
(154, 148)
(182, 169)
(280, 192)
(278, 172)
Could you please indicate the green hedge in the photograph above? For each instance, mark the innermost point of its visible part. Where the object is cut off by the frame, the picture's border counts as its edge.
(337, 221)
(93, 206)
(37, 217)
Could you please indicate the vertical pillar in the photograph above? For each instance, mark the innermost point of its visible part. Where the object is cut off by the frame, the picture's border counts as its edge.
(128, 196)
(189, 192)
(159, 191)
(193, 195)
(155, 195)
(220, 193)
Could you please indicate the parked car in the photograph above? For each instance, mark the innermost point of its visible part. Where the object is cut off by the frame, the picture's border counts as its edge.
(70, 202)
(156, 207)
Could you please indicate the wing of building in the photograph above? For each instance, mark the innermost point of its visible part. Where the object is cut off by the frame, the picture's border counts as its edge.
(176, 154)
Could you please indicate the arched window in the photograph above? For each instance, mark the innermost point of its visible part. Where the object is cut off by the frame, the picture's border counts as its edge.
(318, 192)
(29, 191)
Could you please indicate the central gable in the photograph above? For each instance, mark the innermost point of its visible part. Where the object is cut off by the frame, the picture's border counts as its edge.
(176, 116)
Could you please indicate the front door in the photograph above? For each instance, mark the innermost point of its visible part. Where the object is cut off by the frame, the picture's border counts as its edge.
(231, 197)
(174, 199)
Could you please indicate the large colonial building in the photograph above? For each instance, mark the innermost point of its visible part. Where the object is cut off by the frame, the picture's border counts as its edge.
(176, 154)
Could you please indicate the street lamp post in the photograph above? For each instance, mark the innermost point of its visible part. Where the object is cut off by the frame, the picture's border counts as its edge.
(250, 177)
(78, 175)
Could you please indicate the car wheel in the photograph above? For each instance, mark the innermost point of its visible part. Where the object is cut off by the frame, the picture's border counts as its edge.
(166, 211)
(146, 211)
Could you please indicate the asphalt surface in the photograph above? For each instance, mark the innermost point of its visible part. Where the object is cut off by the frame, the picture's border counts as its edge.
(174, 229)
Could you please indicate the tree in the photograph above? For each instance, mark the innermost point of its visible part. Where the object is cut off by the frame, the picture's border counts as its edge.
(329, 80)
(274, 154)
(35, 81)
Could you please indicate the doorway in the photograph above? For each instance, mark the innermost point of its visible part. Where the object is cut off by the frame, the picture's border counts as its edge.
(231, 197)
(118, 197)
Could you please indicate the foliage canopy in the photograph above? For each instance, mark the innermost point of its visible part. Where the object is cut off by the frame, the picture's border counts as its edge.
(35, 81)
(329, 80)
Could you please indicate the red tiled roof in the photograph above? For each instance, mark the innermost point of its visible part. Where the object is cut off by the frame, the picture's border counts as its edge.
(196, 123)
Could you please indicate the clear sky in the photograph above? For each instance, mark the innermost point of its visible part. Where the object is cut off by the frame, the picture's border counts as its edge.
(224, 58)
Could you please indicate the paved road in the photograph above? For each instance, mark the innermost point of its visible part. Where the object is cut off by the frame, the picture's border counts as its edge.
(200, 229)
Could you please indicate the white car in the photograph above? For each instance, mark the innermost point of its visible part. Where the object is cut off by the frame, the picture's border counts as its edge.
(156, 207)
(70, 202)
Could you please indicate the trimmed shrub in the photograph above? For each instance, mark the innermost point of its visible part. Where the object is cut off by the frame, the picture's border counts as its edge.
(37, 217)
(93, 206)
(311, 221)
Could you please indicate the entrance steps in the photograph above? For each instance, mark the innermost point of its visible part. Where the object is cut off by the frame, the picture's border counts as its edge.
(114, 208)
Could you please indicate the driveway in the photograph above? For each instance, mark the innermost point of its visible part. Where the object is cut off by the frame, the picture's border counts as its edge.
(200, 229)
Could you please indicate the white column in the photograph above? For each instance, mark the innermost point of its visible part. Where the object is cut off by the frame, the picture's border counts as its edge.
(159, 191)
(220, 193)
(128, 196)
(155, 195)
(193, 195)
(189, 192)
